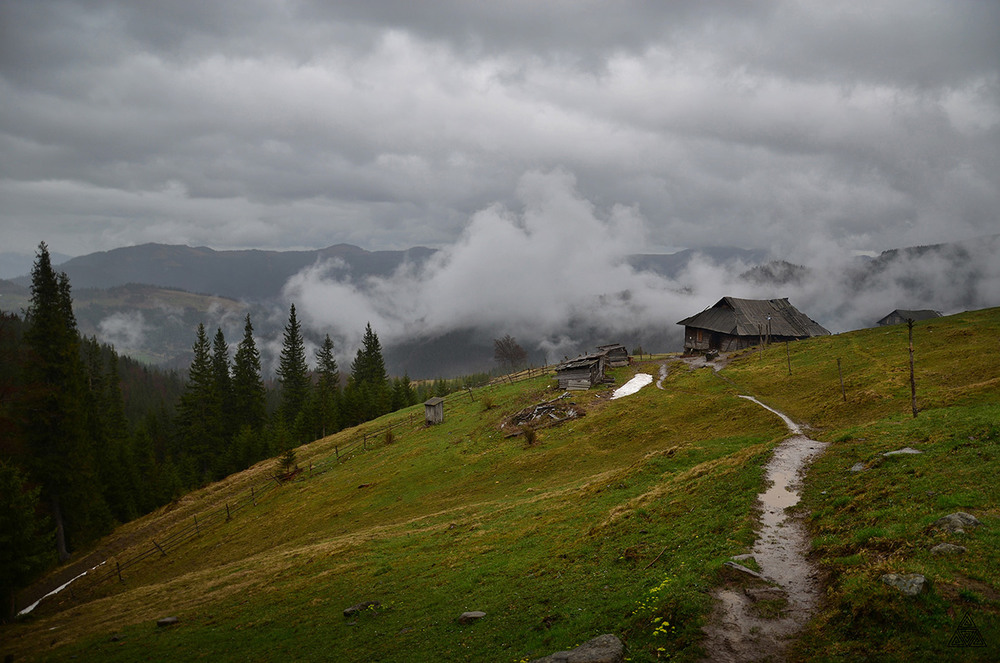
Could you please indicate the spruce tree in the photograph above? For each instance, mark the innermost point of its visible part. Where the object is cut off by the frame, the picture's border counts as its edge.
(369, 382)
(249, 395)
(293, 373)
(327, 392)
(223, 384)
(25, 546)
(108, 431)
(200, 415)
(54, 416)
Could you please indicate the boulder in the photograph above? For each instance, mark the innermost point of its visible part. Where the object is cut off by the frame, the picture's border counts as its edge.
(471, 616)
(948, 549)
(360, 607)
(857, 467)
(167, 621)
(605, 648)
(957, 522)
(909, 584)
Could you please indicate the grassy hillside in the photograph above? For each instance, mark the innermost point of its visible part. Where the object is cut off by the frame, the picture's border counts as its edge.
(615, 522)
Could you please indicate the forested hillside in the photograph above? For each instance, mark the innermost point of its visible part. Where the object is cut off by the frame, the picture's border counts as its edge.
(90, 439)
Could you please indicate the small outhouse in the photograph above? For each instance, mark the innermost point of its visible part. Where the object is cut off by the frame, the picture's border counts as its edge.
(433, 411)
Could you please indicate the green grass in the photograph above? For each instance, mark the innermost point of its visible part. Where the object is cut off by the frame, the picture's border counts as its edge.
(616, 522)
(880, 520)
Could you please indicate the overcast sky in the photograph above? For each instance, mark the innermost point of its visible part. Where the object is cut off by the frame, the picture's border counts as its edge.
(299, 124)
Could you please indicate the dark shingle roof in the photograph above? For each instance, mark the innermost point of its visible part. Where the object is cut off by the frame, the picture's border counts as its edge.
(749, 317)
(904, 314)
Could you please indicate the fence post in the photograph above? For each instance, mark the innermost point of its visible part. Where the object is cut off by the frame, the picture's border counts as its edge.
(119, 568)
(336, 452)
(228, 516)
(164, 552)
(841, 373)
(253, 497)
(197, 528)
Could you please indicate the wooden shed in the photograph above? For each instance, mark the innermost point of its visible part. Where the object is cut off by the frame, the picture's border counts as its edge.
(899, 316)
(615, 353)
(733, 324)
(433, 411)
(581, 373)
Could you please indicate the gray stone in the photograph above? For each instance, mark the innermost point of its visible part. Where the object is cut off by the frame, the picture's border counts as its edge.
(957, 522)
(905, 451)
(167, 621)
(765, 593)
(605, 648)
(857, 467)
(948, 549)
(471, 616)
(909, 584)
(360, 607)
(741, 558)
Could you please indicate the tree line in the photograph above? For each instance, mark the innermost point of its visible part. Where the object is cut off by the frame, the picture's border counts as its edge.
(90, 439)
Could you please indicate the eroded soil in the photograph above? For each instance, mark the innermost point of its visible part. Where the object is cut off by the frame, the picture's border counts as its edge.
(755, 620)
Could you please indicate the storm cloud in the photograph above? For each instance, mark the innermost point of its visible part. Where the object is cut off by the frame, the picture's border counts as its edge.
(298, 124)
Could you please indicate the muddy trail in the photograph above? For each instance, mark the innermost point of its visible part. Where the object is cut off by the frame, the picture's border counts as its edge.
(758, 614)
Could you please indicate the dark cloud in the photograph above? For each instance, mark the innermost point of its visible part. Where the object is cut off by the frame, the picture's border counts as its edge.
(256, 123)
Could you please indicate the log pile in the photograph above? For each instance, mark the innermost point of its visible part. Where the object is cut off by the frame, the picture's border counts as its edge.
(542, 415)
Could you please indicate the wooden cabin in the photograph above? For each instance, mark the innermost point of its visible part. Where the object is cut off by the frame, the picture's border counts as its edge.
(581, 373)
(899, 316)
(734, 324)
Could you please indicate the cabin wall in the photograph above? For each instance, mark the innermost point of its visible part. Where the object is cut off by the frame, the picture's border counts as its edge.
(702, 340)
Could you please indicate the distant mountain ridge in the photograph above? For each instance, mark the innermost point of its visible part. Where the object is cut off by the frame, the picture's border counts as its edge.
(253, 274)
(243, 274)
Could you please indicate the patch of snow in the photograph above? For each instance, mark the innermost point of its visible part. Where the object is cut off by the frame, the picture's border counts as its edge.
(56, 591)
(633, 385)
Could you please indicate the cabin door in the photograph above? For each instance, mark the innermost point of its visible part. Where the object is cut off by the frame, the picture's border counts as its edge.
(715, 341)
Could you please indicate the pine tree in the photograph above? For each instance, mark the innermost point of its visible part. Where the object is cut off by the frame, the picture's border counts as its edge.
(54, 416)
(200, 414)
(223, 385)
(108, 431)
(327, 392)
(369, 382)
(249, 395)
(293, 373)
(25, 546)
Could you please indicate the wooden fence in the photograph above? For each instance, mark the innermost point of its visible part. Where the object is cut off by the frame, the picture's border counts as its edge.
(117, 566)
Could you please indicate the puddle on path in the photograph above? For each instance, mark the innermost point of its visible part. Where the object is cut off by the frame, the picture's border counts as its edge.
(737, 631)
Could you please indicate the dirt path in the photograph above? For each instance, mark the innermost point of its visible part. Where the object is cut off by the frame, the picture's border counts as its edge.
(757, 622)
(663, 375)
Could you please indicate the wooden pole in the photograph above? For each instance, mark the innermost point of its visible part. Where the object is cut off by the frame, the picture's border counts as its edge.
(913, 382)
(118, 566)
(228, 515)
(164, 552)
(196, 527)
(841, 372)
(253, 498)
